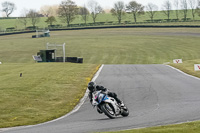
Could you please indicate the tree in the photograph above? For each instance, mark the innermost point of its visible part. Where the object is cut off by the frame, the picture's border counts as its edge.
(8, 8)
(198, 11)
(50, 20)
(95, 9)
(151, 10)
(184, 6)
(34, 17)
(49, 10)
(193, 7)
(23, 19)
(176, 4)
(83, 11)
(167, 8)
(46, 11)
(67, 11)
(54, 10)
(135, 8)
(118, 10)
(198, 8)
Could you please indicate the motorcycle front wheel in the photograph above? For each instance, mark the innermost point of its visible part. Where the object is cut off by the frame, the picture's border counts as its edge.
(125, 112)
(108, 110)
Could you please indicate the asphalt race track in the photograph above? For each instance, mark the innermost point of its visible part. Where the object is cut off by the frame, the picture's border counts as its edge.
(155, 95)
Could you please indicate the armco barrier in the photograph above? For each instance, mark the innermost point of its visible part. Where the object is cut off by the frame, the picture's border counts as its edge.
(12, 33)
(131, 26)
(70, 59)
(106, 27)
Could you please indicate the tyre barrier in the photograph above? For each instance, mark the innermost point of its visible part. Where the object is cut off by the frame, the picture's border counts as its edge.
(33, 36)
(59, 59)
(41, 35)
(70, 59)
(74, 59)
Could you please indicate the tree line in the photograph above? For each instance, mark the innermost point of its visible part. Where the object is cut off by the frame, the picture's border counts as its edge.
(67, 11)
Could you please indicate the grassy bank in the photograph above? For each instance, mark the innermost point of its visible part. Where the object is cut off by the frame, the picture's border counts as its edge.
(44, 92)
(108, 18)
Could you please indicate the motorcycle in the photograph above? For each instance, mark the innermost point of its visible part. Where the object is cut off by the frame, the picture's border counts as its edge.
(108, 105)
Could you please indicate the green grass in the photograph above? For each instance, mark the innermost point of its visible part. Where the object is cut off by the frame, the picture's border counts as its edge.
(109, 46)
(191, 127)
(49, 90)
(44, 92)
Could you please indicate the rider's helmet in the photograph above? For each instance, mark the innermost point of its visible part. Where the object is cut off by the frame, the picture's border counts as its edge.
(92, 86)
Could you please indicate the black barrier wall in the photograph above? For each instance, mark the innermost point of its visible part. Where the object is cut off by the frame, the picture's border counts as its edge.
(106, 27)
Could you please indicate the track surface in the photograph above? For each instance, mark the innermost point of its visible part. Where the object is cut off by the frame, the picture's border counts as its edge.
(154, 94)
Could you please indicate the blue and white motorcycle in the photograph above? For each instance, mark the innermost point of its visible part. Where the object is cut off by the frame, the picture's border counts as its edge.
(108, 105)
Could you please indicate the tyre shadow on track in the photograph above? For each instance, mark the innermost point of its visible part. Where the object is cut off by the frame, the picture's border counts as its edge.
(104, 119)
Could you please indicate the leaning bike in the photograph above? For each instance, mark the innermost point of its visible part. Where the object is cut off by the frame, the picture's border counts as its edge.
(108, 105)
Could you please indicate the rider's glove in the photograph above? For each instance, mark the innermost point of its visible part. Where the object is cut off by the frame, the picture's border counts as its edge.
(104, 89)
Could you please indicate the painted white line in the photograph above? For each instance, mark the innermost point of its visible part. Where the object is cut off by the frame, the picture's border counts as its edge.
(73, 111)
(97, 73)
(82, 99)
(183, 72)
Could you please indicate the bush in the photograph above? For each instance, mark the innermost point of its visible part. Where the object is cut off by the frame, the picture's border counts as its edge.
(31, 28)
(10, 29)
(54, 26)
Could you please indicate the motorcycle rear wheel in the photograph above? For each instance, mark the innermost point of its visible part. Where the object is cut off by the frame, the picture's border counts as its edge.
(108, 110)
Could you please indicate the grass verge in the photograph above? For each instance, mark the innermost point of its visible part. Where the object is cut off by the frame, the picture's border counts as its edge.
(188, 67)
(44, 92)
(191, 127)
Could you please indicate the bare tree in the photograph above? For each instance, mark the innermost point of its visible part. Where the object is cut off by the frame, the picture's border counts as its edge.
(136, 9)
(95, 9)
(198, 7)
(83, 11)
(34, 17)
(107, 10)
(176, 4)
(46, 11)
(118, 10)
(67, 11)
(23, 18)
(54, 10)
(8, 8)
(167, 8)
(184, 7)
(193, 6)
(151, 10)
(51, 10)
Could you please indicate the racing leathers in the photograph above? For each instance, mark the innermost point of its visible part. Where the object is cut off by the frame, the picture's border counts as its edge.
(103, 89)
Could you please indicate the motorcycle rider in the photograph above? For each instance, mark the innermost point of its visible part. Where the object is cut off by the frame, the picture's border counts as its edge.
(93, 87)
